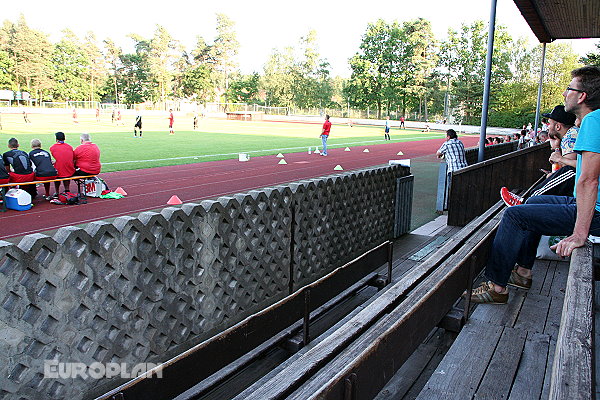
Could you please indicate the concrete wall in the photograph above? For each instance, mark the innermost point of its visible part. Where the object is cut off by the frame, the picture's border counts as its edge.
(145, 288)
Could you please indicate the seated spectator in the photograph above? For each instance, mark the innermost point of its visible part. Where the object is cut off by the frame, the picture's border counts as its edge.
(19, 166)
(3, 174)
(63, 160)
(44, 170)
(561, 182)
(87, 157)
(543, 137)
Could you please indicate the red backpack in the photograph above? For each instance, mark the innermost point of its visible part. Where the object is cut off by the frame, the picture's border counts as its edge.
(68, 198)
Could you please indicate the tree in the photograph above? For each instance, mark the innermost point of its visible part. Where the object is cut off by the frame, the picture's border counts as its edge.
(71, 69)
(278, 79)
(244, 89)
(464, 56)
(98, 72)
(196, 82)
(30, 52)
(161, 56)
(592, 58)
(224, 49)
(113, 58)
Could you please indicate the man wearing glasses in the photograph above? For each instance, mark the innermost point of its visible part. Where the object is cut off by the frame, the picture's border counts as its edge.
(513, 252)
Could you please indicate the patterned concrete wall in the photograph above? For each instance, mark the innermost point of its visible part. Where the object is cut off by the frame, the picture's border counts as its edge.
(146, 288)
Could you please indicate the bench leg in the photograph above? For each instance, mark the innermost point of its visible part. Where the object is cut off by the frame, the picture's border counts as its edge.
(82, 194)
(3, 192)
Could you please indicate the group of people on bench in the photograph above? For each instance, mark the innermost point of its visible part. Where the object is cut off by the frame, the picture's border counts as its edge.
(18, 166)
(575, 215)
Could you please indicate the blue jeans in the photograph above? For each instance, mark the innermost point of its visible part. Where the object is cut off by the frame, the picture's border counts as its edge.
(324, 140)
(520, 230)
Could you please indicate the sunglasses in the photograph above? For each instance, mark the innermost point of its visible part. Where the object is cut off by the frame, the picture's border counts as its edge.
(575, 90)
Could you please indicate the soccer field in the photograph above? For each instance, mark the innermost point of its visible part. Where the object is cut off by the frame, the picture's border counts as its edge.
(215, 139)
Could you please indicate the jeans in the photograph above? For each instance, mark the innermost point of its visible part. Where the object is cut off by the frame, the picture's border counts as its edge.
(520, 230)
(324, 140)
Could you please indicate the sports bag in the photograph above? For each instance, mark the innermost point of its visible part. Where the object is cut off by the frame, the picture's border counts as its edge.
(95, 186)
(68, 198)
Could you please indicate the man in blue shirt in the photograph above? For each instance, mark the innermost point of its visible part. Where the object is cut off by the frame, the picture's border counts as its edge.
(514, 248)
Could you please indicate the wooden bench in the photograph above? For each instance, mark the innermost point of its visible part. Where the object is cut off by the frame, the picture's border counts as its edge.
(79, 180)
(357, 359)
(287, 321)
(573, 360)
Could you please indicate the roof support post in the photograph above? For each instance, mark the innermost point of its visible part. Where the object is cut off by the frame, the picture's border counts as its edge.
(539, 96)
(486, 85)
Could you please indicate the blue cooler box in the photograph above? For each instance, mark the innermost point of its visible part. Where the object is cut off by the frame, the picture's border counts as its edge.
(18, 199)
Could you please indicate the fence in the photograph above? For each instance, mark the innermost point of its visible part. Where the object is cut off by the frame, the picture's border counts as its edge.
(142, 289)
(476, 188)
(471, 155)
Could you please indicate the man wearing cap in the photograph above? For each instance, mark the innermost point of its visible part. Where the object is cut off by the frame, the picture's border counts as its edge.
(63, 160)
(513, 252)
(560, 182)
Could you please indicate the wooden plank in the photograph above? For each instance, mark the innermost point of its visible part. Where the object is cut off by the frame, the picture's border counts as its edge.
(463, 367)
(374, 356)
(503, 315)
(572, 368)
(532, 317)
(553, 320)
(499, 375)
(532, 368)
(417, 365)
(559, 283)
(548, 376)
(543, 275)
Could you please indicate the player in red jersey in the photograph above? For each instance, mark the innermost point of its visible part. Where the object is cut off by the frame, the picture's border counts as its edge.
(171, 121)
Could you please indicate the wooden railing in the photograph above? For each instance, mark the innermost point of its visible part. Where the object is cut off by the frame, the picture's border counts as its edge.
(476, 188)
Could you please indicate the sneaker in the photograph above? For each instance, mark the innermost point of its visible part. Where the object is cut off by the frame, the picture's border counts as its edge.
(509, 198)
(486, 293)
(519, 281)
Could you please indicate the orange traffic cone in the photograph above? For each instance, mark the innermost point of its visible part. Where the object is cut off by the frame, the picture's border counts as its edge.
(174, 200)
(121, 191)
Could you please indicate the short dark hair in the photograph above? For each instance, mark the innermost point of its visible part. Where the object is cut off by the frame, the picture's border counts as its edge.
(60, 136)
(13, 143)
(451, 133)
(326, 116)
(589, 78)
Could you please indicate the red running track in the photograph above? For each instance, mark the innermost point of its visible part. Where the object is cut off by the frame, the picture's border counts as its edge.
(150, 189)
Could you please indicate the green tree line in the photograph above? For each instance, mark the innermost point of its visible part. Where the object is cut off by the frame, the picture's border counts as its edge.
(399, 69)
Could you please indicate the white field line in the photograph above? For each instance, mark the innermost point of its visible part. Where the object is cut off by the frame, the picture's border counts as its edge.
(253, 151)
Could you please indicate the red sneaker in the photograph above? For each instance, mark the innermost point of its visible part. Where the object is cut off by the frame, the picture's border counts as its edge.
(509, 198)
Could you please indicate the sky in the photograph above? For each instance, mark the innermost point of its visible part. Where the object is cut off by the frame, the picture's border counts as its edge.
(263, 25)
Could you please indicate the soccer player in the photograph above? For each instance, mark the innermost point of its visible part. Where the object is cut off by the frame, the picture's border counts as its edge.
(97, 115)
(75, 116)
(63, 161)
(138, 125)
(325, 134)
(195, 120)
(22, 170)
(171, 121)
(44, 170)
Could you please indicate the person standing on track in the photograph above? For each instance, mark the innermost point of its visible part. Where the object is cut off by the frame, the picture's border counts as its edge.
(402, 123)
(63, 161)
(325, 134)
(171, 121)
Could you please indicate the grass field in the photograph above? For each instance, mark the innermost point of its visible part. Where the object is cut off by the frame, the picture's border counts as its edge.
(215, 139)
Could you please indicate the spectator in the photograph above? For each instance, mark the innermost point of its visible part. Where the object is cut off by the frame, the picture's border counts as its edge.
(562, 133)
(513, 251)
(453, 151)
(87, 157)
(63, 161)
(19, 166)
(44, 170)
(522, 140)
(543, 137)
(386, 135)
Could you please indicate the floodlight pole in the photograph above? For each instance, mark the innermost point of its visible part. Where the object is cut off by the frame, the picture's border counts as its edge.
(486, 85)
(539, 96)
